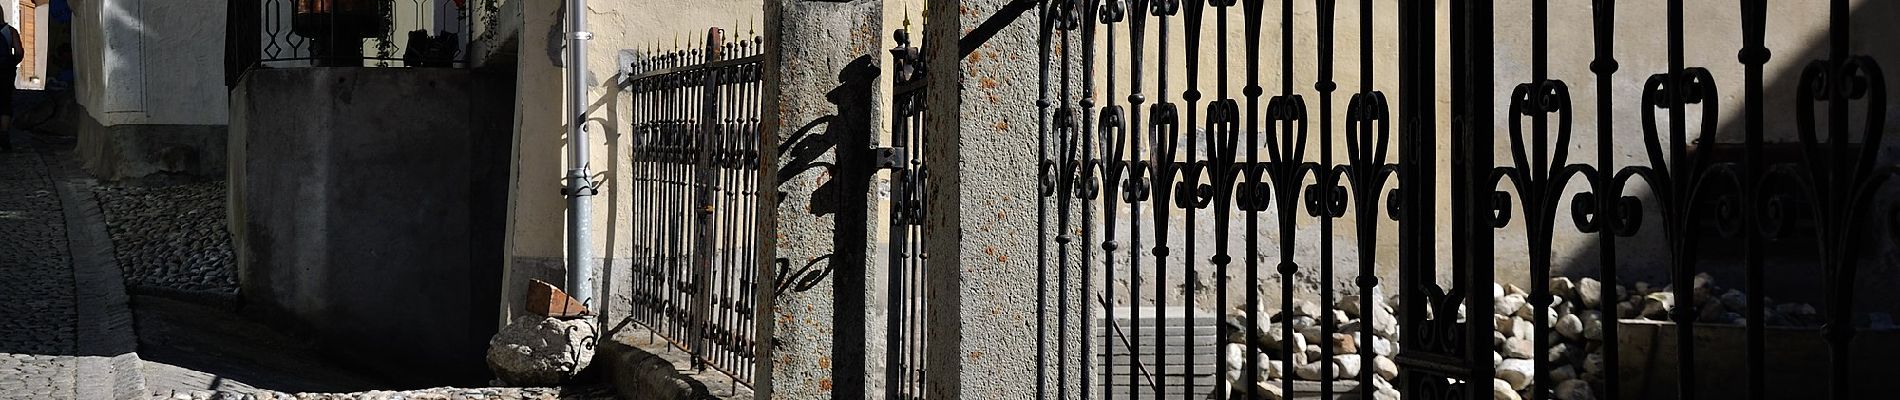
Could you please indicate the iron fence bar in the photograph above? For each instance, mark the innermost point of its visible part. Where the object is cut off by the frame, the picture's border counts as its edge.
(1478, 209)
(1325, 11)
(1046, 29)
(1061, 20)
(1752, 56)
(1418, 186)
(1088, 189)
(1188, 195)
(1163, 136)
(1842, 189)
(1222, 133)
(1603, 16)
(1114, 135)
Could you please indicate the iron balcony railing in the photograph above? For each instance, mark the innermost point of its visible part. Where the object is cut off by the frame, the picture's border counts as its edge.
(349, 33)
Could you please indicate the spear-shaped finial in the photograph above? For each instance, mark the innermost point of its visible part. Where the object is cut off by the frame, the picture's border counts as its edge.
(907, 16)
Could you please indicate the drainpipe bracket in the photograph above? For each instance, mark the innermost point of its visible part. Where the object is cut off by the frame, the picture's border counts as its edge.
(584, 191)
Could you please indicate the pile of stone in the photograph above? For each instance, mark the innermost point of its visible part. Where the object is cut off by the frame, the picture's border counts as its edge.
(171, 238)
(1309, 360)
(1574, 343)
(1575, 340)
(1716, 305)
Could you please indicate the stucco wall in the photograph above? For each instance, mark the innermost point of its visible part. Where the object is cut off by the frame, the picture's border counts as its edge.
(150, 61)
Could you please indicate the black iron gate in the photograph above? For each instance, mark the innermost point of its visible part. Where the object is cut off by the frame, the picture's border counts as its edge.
(905, 335)
(694, 185)
(1226, 149)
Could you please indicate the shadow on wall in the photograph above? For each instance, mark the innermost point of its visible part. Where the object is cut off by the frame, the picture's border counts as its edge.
(1793, 268)
(847, 134)
(1793, 271)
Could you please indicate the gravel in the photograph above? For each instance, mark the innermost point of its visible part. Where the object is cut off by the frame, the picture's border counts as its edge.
(171, 237)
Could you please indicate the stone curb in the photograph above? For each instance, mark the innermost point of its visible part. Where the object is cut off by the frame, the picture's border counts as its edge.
(643, 369)
(109, 365)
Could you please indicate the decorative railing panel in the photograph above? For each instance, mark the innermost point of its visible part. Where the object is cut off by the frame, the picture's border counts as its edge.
(1203, 146)
(350, 33)
(694, 188)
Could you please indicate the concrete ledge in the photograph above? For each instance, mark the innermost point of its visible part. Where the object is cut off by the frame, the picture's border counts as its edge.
(132, 151)
(640, 368)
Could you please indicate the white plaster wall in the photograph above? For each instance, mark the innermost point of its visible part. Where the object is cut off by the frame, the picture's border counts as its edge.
(151, 61)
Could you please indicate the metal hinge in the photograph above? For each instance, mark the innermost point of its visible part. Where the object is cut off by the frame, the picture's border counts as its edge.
(891, 158)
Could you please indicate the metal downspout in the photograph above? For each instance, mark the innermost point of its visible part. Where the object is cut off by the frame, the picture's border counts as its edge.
(580, 270)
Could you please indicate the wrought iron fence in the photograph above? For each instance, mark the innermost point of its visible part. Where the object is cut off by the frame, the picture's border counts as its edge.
(695, 170)
(349, 33)
(1214, 163)
(906, 333)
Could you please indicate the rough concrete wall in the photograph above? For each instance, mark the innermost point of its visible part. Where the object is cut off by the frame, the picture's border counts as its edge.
(982, 231)
(150, 62)
(353, 224)
(822, 79)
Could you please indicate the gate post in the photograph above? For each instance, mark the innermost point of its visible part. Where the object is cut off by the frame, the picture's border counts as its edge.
(983, 194)
(821, 86)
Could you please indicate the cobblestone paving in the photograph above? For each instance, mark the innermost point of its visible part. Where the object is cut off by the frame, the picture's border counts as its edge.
(171, 237)
(596, 392)
(36, 284)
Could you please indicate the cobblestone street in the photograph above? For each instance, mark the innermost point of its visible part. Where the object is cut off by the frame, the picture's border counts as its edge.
(37, 337)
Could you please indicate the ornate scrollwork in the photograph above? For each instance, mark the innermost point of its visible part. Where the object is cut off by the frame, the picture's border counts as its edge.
(1841, 182)
(1066, 14)
(1113, 11)
(1162, 8)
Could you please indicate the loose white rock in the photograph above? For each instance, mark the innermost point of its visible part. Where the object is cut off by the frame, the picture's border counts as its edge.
(1575, 390)
(541, 351)
(1517, 372)
(1570, 327)
(1346, 366)
(1657, 305)
(1303, 308)
(1308, 371)
(1589, 292)
(1385, 367)
(1501, 390)
(1508, 304)
(1563, 287)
